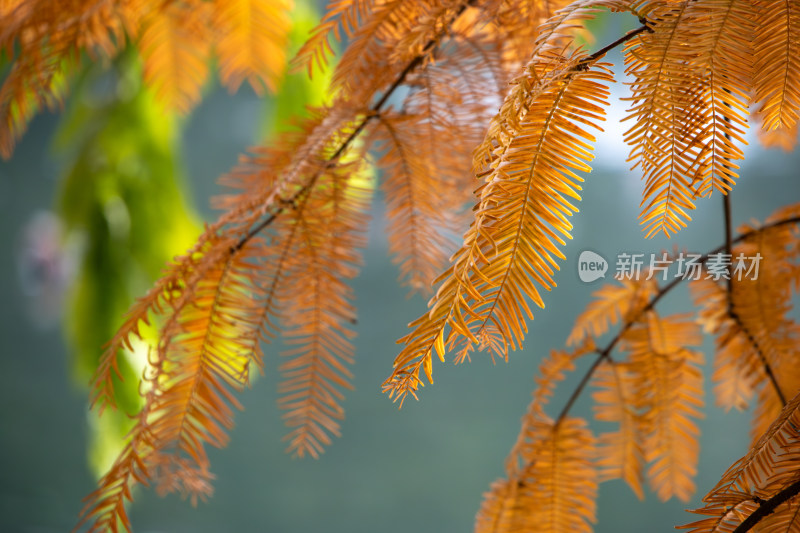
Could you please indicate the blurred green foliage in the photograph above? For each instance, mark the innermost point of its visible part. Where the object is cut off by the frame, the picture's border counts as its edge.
(123, 204)
(121, 198)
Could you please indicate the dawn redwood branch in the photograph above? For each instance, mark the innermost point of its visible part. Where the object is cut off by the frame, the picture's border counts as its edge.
(373, 113)
(732, 311)
(767, 507)
(726, 208)
(764, 363)
(645, 27)
(375, 110)
(605, 352)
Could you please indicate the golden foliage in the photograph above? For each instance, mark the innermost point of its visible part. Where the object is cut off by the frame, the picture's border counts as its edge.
(653, 394)
(777, 62)
(173, 36)
(417, 203)
(688, 119)
(44, 44)
(278, 259)
(200, 357)
(251, 42)
(559, 483)
(661, 146)
(316, 301)
(367, 63)
(427, 153)
(620, 453)
(737, 368)
(552, 370)
(552, 38)
(724, 60)
(174, 45)
(784, 138)
(755, 334)
(763, 308)
(341, 19)
(301, 212)
(613, 302)
(771, 469)
(214, 307)
(667, 390)
(519, 221)
(551, 480)
(554, 493)
(690, 102)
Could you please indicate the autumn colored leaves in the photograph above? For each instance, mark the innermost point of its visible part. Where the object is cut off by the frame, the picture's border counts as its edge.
(175, 40)
(279, 258)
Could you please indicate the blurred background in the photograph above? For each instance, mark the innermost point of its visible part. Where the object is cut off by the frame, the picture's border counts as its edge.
(97, 198)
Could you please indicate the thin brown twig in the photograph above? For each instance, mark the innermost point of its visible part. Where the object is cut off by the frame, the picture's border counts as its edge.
(374, 112)
(605, 352)
(764, 363)
(645, 27)
(732, 311)
(726, 203)
(767, 507)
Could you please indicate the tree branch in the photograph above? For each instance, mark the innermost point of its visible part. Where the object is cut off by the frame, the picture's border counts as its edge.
(726, 204)
(645, 27)
(768, 507)
(764, 363)
(732, 311)
(605, 352)
(374, 111)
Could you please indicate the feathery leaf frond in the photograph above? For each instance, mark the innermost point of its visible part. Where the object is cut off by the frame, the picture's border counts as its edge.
(689, 103)
(363, 67)
(522, 22)
(551, 481)
(770, 467)
(552, 370)
(44, 44)
(174, 46)
(668, 393)
(557, 489)
(167, 294)
(755, 335)
(662, 92)
(777, 62)
(199, 359)
(620, 453)
(417, 206)
(721, 32)
(252, 41)
(552, 38)
(762, 305)
(519, 221)
(426, 155)
(318, 309)
(737, 368)
(613, 302)
(784, 138)
(342, 18)
(217, 303)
